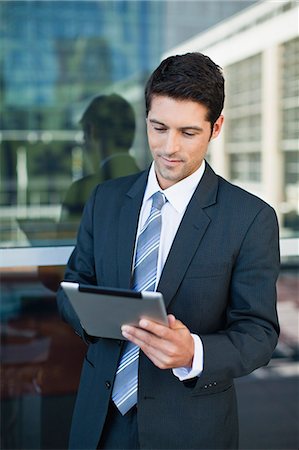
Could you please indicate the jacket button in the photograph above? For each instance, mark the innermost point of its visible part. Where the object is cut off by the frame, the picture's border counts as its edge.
(108, 384)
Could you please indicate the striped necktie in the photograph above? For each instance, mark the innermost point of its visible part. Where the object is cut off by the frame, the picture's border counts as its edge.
(125, 387)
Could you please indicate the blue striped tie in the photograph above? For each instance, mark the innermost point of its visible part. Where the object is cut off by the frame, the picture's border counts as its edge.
(125, 387)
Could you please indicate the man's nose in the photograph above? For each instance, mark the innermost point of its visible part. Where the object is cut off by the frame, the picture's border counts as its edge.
(172, 144)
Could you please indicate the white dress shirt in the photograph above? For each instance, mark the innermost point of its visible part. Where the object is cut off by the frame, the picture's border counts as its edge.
(178, 196)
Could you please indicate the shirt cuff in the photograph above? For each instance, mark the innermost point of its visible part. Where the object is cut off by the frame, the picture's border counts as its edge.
(185, 373)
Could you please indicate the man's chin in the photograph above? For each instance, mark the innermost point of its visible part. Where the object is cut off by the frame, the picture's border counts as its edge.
(167, 178)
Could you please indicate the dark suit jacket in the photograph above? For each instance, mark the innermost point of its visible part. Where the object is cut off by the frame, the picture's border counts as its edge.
(219, 280)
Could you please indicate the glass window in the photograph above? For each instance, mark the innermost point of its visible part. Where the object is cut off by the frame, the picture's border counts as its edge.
(62, 62)
(290, 133)
(243, 131)
(245, 167)
(291, 167)
(243, 83)
(57, 57)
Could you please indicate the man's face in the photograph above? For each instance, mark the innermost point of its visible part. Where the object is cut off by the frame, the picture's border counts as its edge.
(178, 135)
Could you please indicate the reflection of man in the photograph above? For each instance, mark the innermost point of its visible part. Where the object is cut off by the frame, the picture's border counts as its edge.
(217, 267)
(109, 126)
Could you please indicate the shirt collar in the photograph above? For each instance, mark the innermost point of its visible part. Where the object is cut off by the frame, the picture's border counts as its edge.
(180, 193)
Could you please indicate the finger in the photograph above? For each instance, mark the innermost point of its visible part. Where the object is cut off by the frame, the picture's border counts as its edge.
(153, 347)
(135, 334)
(171, 320)
(149, 342)
(163, 353)
(175, 324)
(132, 333)
(167, 346)
(157, 329)
(143, 337)
(157, 350)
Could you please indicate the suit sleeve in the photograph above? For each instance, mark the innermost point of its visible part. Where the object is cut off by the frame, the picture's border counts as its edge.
(80, 267)
(252, 328)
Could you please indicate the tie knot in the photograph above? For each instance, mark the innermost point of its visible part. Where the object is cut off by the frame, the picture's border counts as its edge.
(159, 200)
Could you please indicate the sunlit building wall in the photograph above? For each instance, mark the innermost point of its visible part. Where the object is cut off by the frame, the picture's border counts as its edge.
(259, 52)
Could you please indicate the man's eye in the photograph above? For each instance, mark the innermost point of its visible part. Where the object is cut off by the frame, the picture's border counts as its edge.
(161, 129)
(188, 133)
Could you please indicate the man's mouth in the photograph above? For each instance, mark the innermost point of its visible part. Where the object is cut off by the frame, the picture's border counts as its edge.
(170, 161)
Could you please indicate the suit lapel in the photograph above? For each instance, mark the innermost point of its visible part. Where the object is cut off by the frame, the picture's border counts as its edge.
(128, 222)
(189, 235)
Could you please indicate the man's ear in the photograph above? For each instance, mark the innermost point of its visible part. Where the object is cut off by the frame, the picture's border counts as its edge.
(217, 127)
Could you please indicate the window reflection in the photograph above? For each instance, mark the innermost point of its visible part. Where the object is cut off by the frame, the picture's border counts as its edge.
(57, 57)
(54, 179)
(108, 126)
(41, 361)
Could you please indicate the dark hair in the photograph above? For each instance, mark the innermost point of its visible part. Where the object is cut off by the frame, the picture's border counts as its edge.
(192, 76)
(111, 117)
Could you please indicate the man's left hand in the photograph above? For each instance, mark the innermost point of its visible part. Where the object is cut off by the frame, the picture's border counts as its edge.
(168, 347)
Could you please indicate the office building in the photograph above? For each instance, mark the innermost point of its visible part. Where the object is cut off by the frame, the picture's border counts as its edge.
(259, 52)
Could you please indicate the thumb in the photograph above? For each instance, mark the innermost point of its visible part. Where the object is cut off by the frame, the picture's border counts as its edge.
(171, 320)
(173, 323)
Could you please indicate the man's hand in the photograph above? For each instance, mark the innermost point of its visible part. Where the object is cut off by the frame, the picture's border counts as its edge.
(167, 347)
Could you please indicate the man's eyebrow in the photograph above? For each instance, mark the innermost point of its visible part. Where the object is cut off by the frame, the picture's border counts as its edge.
(157, 122)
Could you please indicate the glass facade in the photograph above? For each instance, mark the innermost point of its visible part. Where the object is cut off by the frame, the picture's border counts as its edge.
(243, 118)
(246, 166)
(290, 131)
(71, 91)
(56, 57)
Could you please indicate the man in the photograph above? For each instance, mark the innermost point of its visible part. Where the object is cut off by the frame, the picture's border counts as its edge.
(108, 138)
(217, 266)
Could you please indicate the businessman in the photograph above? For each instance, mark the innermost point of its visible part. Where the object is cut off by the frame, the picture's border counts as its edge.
(212, 250)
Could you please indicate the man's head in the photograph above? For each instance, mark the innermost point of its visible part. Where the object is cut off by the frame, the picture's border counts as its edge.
(184, 100)
(192, 76)
(109, 120)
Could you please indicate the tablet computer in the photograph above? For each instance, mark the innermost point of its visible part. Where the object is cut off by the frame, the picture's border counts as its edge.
(102, 311)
